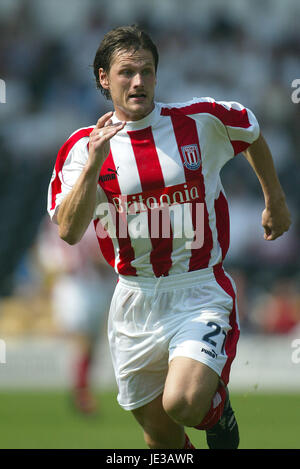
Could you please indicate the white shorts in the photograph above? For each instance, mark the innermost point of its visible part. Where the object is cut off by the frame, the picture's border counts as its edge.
(152, 320)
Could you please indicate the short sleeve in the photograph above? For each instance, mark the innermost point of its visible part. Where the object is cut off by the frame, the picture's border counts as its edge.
(240, 123)
(70, 162)
(225, 128)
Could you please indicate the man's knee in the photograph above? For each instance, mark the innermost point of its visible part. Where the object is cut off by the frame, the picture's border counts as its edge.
(189, 389)
(186, 409)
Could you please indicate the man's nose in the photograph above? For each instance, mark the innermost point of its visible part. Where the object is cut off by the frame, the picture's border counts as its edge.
(138, 80)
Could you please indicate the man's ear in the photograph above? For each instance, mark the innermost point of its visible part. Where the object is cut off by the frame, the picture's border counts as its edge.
(103, 79)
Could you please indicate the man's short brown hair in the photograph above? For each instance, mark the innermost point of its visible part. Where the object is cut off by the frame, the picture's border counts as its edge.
(122, 38)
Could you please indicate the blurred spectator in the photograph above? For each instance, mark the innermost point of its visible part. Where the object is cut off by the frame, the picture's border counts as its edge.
(278, 312)
(81, 286)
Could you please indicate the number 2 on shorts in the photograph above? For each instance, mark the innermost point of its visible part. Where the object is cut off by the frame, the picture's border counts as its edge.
(217, 330)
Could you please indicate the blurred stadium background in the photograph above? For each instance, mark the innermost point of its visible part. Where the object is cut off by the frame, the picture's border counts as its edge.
(231, 50)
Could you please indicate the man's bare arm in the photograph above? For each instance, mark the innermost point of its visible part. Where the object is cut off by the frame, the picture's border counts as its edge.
(76, 210)
(276, 218)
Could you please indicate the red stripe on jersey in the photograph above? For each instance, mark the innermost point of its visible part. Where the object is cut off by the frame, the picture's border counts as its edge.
(105, 244)
(160, 256)
(187, 137)
(126, 252)
(61, 158)
(222, 223)
(234, 333)
(146, 157)
(239, 146)
(231, 117)
(151, 177)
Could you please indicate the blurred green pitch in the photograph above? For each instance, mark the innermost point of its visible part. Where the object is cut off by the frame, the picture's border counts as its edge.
(47, 420)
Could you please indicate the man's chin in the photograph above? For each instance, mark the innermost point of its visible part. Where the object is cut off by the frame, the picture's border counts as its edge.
(133, 111)
(138, 111)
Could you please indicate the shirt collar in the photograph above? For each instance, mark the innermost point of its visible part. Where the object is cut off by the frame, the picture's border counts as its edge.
(147, 121)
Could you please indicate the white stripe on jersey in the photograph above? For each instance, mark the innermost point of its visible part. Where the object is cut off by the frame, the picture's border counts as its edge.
(129, 179)
(169, 158)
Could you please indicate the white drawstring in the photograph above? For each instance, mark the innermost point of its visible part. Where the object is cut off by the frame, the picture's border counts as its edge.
(157, 284)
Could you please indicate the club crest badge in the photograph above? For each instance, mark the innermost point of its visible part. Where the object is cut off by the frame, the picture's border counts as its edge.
(191, 156)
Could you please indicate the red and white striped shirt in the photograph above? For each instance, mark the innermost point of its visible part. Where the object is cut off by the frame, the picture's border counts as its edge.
(159, 188)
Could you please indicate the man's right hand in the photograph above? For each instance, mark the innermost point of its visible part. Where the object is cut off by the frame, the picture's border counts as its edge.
(100, 136)
(77, 208)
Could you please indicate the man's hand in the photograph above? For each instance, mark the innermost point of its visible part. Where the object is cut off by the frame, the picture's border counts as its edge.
(276, 220)
(276, 217)
(99, 139)
(76, 210)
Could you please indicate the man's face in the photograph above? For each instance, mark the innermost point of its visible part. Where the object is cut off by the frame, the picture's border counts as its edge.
(131, 82)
